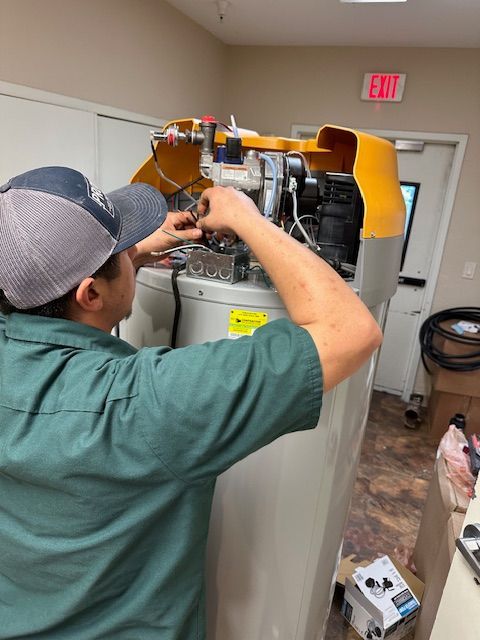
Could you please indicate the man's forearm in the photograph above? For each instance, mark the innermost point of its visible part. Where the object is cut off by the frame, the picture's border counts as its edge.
(315, 297)
(305, 282)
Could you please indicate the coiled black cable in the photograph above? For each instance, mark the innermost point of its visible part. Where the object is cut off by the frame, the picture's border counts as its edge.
(432, 329)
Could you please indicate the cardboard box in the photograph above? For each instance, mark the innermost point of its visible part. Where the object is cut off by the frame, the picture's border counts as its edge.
(438, 576)
(474, 416)
(443, 405)
(465, 383)
(347, 567)
(443, 499)
(391, 613)
(454, 391)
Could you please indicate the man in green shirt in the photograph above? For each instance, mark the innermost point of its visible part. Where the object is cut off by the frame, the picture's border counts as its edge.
(109, 455)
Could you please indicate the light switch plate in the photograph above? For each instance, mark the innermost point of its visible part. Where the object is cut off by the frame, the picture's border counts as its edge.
(469, 270)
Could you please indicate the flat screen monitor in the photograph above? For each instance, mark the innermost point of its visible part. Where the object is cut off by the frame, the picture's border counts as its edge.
(410, 194)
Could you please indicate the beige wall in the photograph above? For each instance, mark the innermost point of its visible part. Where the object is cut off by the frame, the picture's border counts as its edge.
(139, 55)
(271, 88)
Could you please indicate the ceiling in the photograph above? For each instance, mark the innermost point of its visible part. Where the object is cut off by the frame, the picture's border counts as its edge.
(415, 23)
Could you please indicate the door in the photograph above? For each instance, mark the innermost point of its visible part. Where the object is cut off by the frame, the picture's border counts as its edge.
(430, 167)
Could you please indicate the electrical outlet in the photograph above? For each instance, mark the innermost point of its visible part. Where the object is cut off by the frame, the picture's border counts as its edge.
(469, 270)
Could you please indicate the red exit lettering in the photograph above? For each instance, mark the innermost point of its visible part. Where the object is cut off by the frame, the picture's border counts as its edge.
(383, 86)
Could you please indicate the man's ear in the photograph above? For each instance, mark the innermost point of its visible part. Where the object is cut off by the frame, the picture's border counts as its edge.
(88, 296)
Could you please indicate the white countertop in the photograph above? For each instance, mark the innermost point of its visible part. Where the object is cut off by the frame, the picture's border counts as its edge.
(460, 603)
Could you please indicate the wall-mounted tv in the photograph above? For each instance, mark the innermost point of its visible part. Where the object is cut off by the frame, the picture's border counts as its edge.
(410, 195)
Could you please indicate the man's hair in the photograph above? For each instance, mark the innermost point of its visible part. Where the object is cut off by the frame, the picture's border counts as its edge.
(59, 308)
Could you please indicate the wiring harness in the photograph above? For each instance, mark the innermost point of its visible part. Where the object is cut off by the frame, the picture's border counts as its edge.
(432, 328)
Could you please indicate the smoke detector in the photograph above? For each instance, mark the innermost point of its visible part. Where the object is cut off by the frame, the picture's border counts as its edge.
(222, 7)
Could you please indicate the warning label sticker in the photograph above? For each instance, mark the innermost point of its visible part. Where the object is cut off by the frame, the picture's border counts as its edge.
(244, 323)
(235, 174)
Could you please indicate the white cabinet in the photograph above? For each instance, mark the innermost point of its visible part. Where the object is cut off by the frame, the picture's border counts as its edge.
(35, 134)
(122, 147)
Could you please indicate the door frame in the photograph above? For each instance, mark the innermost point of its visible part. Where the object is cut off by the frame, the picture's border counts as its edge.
(459, 141)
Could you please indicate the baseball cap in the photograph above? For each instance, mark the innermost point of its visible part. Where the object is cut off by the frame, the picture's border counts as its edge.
(57, 228)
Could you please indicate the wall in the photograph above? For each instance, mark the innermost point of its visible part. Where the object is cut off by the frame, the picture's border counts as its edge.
(271, 88)
(139, 55)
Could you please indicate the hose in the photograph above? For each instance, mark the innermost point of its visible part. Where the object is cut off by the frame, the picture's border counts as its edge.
(432, 327)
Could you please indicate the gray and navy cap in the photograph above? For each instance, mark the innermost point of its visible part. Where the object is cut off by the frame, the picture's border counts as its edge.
(57, 228)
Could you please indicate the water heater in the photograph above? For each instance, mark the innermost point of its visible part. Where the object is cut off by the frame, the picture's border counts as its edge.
(278, 516)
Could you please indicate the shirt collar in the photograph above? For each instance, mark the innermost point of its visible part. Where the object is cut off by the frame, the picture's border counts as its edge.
(65, 333)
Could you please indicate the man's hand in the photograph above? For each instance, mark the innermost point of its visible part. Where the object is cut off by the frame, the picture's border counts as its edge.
(228, 210)
(180, 224)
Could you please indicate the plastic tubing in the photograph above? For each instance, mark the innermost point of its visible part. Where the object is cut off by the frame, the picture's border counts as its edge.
(234, 126)
(271, 164)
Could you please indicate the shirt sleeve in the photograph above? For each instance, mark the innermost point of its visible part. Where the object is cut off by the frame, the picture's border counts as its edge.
(204, 407)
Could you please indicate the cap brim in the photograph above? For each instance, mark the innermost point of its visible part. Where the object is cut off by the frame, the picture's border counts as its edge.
(143, 209)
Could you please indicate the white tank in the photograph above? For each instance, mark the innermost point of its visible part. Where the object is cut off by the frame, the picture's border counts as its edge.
(278, 516)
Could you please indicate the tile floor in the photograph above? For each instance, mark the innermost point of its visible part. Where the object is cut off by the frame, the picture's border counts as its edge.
(392, 482)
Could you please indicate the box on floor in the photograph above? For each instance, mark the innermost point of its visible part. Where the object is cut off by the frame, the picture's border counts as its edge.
(368, 617)
(466, 383)
(454, 391)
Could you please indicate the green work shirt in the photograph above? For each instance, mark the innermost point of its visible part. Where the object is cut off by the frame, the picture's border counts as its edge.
(108, 461)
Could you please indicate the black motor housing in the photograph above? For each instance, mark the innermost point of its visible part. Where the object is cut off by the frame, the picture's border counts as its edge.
(340, 216)
(335, 201)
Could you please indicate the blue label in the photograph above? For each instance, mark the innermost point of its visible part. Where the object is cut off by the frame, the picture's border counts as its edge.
(407, 607)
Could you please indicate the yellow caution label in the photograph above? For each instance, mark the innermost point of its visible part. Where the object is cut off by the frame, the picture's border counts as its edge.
(244, 323)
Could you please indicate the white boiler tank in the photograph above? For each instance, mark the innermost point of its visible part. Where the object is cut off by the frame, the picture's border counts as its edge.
(278, 516)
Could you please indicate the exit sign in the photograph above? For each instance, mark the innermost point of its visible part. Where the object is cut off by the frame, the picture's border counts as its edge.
(383, 87)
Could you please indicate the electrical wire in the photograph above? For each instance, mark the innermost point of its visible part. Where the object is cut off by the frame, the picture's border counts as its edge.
(186, 186)
(299, 153)
(269, 207)
(172, 235)
(349, 268)
(164, 177)
(309, 226)
(310, 243)
(190, 207)
(264, 274)
(307, 215)
(339, 266)
(184, 247)
(226, 126)
(178, 305)
(432, 330)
